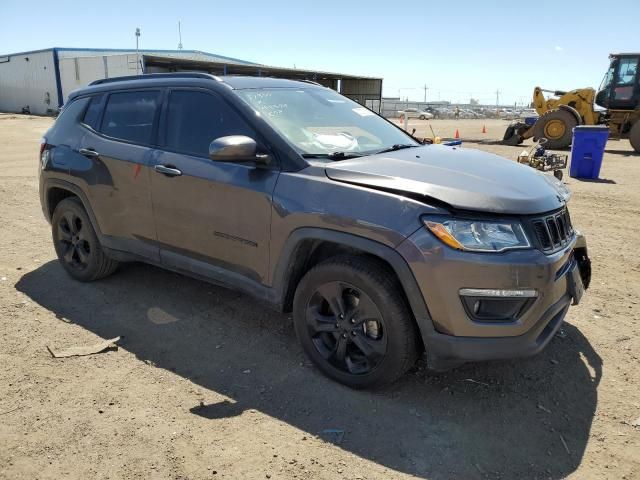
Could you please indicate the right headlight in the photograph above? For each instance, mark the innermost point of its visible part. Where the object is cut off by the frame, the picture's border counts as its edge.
(478, 235)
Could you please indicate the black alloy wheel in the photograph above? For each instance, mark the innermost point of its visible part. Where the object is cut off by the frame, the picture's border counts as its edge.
(73, 243)
(346, 328)
(76, 243)
(353, 321)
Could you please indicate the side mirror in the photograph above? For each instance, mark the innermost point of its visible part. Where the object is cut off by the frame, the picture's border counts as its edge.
(236, 148)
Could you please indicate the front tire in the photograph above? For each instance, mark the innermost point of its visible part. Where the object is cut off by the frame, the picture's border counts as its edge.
(353, 322)
(76, 243)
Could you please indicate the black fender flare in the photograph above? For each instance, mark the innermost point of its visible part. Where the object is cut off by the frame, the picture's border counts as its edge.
(287, 261)
(50, 183)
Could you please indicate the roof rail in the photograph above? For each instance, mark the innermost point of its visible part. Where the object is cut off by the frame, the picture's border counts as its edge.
(312, 82)
(146, 76)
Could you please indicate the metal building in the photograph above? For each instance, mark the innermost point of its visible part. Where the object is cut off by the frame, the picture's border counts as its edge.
(39, 81)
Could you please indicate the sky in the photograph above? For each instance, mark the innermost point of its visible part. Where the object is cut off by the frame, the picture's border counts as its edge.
(459, 49)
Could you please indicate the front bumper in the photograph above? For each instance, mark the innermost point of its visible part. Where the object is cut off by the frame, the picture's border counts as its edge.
(447, 351)
(457, 336)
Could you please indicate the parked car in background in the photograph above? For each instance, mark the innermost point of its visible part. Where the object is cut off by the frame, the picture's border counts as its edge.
(529, 113)
(415, 113)
(527, 116)
(507, 114)
(444, 112)
(467, 113)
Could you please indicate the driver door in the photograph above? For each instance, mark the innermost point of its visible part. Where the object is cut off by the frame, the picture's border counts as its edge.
(209, 215)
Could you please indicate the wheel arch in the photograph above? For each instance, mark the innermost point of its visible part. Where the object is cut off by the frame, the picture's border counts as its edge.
(306, 247)
(56, 190)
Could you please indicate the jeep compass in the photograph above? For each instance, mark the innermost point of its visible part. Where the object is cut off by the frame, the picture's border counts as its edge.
(383, 248)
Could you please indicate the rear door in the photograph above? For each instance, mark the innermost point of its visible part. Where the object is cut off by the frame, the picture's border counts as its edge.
(121, 131)
(209, 215)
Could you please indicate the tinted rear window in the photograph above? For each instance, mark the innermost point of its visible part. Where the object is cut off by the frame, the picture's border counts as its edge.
(130, 115)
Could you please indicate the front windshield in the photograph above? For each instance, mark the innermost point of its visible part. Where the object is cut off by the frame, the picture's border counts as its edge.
(608, 78)
(322, 122)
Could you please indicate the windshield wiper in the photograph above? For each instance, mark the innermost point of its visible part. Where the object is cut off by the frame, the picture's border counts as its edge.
(334, 155)
(397, 146)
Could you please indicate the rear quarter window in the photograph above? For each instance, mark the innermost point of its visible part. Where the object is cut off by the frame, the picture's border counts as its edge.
(70, 115)
(92, 114)
(130, 115)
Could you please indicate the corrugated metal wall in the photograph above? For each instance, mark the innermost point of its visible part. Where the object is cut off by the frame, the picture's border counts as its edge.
(32, 83)
(361, 90)
(28, 80)
(76, 72)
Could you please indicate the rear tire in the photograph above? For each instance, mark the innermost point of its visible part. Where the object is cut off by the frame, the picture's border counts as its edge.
(634, 136)
(76, 243)
(557, 127)
(353, 322)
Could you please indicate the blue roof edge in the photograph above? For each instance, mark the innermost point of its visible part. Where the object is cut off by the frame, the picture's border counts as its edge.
(68, 49)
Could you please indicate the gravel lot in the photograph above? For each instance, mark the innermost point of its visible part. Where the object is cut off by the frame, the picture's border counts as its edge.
(208, 383)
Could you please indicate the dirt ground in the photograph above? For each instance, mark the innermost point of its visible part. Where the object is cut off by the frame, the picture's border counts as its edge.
(208, 383)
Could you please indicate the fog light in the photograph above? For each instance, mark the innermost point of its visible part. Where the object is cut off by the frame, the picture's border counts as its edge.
(496, 305)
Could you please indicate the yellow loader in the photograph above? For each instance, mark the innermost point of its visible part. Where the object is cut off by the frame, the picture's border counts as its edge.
(619, 97)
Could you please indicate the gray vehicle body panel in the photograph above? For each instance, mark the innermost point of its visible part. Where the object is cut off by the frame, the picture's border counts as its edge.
(465, 179)
(244, 226)
(429, 259)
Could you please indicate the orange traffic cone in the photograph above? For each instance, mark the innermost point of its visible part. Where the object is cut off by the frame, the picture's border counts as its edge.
(484, 129)
(457, 135)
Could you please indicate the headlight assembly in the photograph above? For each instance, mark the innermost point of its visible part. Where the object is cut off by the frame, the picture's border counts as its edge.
(478, 235)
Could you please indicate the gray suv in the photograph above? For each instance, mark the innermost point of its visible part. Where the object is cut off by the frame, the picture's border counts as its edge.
(382, 247)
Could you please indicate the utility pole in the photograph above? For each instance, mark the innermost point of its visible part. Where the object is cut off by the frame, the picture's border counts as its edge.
(137, 53)
(425, 92)
(179, 36)
(497, 98)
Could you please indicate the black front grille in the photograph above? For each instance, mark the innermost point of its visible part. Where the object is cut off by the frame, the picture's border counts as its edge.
(553, 231)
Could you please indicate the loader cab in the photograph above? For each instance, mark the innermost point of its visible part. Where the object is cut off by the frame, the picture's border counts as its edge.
(620, 88)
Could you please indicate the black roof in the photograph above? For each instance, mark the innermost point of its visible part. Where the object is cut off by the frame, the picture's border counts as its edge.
(190, 78)
(242, 82)
(234, 81)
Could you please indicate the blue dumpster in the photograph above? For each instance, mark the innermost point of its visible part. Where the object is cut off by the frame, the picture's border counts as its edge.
(587, 150)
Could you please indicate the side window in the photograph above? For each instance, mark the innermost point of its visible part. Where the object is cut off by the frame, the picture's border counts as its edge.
(92, 114)
(129, 115)
(195, 119)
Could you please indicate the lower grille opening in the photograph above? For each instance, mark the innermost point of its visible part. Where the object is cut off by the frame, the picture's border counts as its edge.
(495, 310)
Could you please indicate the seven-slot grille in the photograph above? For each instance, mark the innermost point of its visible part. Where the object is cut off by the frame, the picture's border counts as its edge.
(553, 231)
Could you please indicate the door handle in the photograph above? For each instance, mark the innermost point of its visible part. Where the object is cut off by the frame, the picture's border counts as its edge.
(168, 170)
(88, 152)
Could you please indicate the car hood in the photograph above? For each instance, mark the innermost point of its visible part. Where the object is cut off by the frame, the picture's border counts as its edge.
(463, 178)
